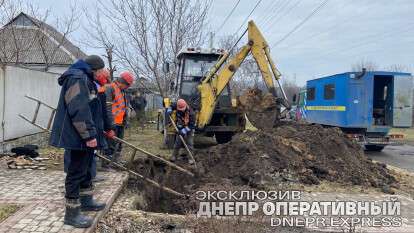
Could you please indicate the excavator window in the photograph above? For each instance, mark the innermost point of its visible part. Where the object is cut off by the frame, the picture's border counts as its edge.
(189, 88)
(198, 67)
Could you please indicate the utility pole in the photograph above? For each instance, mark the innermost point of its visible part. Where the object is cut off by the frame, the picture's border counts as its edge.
(211, 39)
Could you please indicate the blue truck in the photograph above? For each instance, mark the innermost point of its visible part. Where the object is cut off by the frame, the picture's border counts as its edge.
(365, 105)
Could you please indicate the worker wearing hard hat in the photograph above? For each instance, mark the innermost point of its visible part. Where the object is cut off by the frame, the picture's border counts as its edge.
(118, 105)
(184, 118)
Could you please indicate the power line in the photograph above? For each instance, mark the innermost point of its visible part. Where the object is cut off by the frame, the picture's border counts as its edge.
(331, 28)
(281, 16)
(272, 9)
(247, 18)
(278, 11)
(265, 12)
(371, 39)
(314, 12)
(228, 16)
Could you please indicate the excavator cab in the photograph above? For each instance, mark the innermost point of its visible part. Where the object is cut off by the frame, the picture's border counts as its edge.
(193, 65)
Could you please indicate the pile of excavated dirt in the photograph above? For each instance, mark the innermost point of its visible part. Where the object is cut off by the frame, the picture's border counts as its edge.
(261, 108)
(292, 152)
(298, 153)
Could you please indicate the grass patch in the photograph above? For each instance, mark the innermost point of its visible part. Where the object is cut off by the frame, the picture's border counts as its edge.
(148, 139)
(7, 210)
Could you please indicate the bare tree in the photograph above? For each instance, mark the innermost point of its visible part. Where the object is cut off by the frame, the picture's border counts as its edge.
(99, 37)
(66, 25)
(290, 87)
(17, 42)
(397, 68)
(146, 33)
(368, 65)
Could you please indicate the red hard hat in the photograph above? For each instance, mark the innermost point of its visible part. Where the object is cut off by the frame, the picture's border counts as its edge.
(181, 105)
(103, 77)
(128, 77)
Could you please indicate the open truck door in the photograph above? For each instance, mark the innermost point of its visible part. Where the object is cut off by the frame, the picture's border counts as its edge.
(402, 101)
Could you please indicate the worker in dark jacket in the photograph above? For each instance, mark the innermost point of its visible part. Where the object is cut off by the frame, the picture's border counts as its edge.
(138, 102)
(102, 78)
(78, 127)
(185, 121)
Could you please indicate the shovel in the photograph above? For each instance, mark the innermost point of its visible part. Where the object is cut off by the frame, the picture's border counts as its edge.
(192, 160)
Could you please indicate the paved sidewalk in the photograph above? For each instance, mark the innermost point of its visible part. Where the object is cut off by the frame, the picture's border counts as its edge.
(41, 193)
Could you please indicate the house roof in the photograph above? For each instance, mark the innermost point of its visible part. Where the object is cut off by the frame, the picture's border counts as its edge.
(30, 41)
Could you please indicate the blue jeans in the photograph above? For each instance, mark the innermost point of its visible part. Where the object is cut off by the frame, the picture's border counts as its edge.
(66, 162)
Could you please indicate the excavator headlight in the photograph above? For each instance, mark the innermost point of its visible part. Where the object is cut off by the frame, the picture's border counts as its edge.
(166, 102)
(233, 102)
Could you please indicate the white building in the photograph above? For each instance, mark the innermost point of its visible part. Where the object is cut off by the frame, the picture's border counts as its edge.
(32, 57)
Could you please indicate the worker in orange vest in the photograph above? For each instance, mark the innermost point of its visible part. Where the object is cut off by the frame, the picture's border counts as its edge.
(117, 103)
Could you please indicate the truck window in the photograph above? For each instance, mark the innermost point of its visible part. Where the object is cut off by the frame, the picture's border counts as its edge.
(329, 91)
(310, 93)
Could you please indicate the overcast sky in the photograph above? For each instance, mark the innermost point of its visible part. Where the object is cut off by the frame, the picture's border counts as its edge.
(341, 34)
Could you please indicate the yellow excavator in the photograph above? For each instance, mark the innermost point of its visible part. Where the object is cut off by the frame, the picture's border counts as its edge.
(203, 77)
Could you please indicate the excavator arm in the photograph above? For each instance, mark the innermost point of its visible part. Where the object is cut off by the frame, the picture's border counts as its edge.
(217, 79)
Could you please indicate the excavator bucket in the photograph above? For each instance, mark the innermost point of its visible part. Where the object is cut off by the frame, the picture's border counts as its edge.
(262, 109)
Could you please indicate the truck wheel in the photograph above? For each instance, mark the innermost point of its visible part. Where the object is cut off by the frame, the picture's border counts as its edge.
(373, 148)
(223, 137)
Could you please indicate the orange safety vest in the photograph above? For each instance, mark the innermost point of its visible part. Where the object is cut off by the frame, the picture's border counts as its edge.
(118, 105)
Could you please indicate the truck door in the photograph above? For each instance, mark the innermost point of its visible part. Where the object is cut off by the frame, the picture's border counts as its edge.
(403, 101)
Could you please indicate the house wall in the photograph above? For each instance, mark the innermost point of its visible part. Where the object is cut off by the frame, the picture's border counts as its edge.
(52, 69)
(16, 82)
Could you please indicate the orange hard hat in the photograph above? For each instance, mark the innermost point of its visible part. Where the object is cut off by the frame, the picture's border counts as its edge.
(128, 77)
(103, 77)
(181, 105)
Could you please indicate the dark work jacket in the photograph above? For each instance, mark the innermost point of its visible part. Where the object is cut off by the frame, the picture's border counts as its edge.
(180, 116)
(79, 115)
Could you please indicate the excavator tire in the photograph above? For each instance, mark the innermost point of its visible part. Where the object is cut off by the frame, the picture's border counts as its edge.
(223, 137)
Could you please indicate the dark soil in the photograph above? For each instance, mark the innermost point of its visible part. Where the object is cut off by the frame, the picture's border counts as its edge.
(302, 153)
(298, 153)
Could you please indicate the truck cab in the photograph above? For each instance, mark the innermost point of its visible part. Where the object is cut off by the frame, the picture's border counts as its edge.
(192, 66)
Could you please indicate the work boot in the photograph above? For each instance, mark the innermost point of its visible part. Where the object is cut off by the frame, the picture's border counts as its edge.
(73, 215)
(174, 155)
(89, 204)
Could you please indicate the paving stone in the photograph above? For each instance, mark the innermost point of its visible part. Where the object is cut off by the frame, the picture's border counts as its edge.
(57, 224)
(55, 229)
(26, 220)
(41, 193)
(43, 229)
(45, 223)
(19, 226)
(30, 228)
